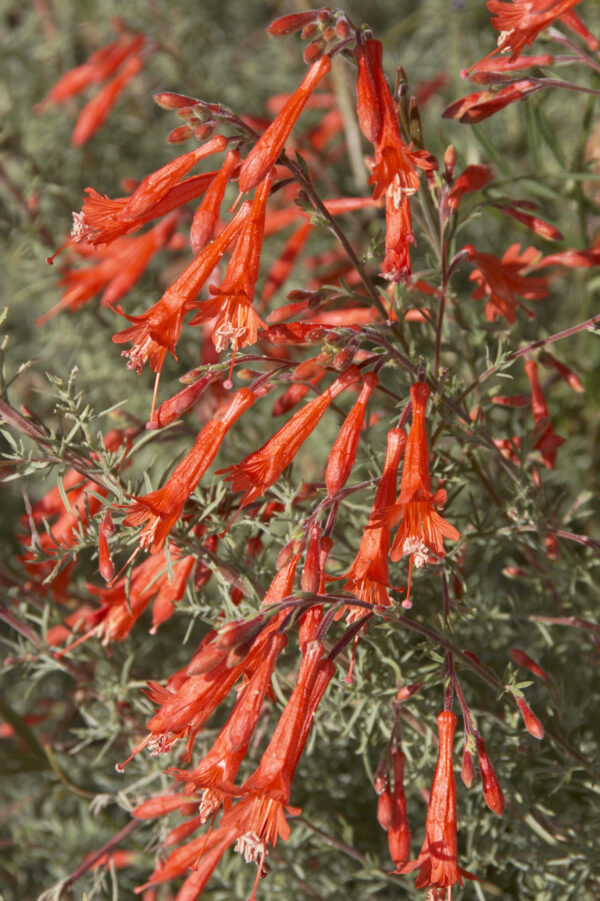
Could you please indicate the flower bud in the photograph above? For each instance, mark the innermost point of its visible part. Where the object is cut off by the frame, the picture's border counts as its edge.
(467, 772)
(384, 809)
(492, 792)
(532, 724)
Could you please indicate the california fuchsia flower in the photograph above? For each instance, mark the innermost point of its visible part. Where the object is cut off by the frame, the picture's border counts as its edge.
(343, 452)
(368, 576)
(501, 281)
(236, 321)
(520, 21)
(94, 113)
(480, 105)
(262, 468)
(157, 331)
(422, 530)
(161, 509)
(259, 817)
(438, 858)
(548, 443)
(270, 144)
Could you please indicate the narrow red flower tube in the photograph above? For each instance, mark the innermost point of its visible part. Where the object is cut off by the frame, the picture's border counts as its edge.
(492, 791)
(205, 217)
(161, 509)
(343, 453)
(261, 469)
(548, 442)
(270, 144)
(399, 830)
(438, 858)
(422, 529)
(157, 331)
(94, 113)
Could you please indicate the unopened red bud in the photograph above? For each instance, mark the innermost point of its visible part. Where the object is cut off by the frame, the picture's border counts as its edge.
(407, 691)
(169, 100)
(201, 132)
(329, 34)
(513, 400)
(309, 31)
(492, 792)
(342, 27)
(467, 773)
(344, 357)
(529, 663)
(239, 632)
(107, 525)
(307, 370)
(324, 15)
(313, 51)
(384, 809)
(105, 563)
(449, 161)
(180, 134)
(294, 22)
(532, 724)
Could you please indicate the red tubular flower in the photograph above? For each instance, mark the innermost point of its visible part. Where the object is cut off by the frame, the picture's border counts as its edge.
(395, 170)
(399, 830)
(548, 443)
(261, 469)
(258, 818)
(270, 144)
(237, 323)
(571, 378)
(115, 268)
(519, 22)
(479, 106)
(102, 220)
(492, 791)
(343, 453)
(438, 858)
(529, 663)
(532, 723)
(202, 853)
(205, 217)
(161, 509)
(499, 281)
(215, 773)
(398, 238)
(283, 265)
(102, 63)
(157, 185)
(422, 530)
(368, 576)
(94, 113)
(158, 329)
(474, 178)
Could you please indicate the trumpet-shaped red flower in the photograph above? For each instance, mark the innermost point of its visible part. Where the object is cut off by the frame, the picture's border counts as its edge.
(438, 858)
(261, 469)
(215, 773)
(115, 268)
(237, 323)
(368, 576)
(157, 331)
(399, 830)
(102, 63)
(95, 113)
(548, 443)
(207, 214)
(480, 105)
(259, 818)
(161, 509)
(500, 281)
(395, 169)
(343, 453)
(102, 219)
(422, 529)
(520, 21)
(268, 147)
